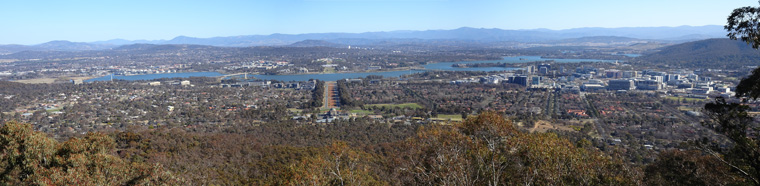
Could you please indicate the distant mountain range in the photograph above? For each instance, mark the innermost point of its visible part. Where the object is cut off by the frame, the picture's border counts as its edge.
(53, 46)
(315, 43)
(460, 35)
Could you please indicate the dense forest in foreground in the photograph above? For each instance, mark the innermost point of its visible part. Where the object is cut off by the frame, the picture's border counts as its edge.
(483, 150)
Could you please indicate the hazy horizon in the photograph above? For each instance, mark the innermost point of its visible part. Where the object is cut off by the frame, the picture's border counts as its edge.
(167, 39)
(35, 22)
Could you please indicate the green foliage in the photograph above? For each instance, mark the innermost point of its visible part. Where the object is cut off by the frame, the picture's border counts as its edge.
(346, 99)
(360, 111)
(744, 23)
(317, 95)
(749, 86)
(732, 120)
(29, 157)
(689, 168)
(710, 53)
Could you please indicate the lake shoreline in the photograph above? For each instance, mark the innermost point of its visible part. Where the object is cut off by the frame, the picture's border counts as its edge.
(440, 66)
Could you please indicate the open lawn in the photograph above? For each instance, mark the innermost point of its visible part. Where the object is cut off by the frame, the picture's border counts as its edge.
(402, 105)
(687, 99)
(36, 81)
(452, 117)
(682, 108)
(49, 80)
(359, 111)
(328, 70)
(543, 126)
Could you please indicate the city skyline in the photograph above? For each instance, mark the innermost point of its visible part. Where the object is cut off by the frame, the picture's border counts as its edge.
(35, 22)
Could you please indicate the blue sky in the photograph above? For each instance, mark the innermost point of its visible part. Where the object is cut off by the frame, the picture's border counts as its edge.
(34, 22)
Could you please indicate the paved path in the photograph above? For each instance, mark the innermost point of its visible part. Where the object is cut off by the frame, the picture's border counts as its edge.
(331, 99)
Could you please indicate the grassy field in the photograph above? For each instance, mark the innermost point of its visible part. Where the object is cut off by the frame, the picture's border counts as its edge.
(328, 70)
(402, 105)
(687, 99)
(360, 111)
(53, 110)
(452, 117)
(682, 108)
(49, 80)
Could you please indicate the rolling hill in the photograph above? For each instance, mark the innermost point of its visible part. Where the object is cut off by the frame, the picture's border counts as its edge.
(710, 53)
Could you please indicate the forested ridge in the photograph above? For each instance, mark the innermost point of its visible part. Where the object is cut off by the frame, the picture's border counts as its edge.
(485, 149)
(710, 53)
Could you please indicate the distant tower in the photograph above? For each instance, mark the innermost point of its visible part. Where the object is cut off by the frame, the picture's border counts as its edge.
(349, 47)
(111, 76)
(245, 75)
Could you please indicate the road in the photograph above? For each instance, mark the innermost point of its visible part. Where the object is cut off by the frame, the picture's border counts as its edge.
(594, 114)
(332, 97)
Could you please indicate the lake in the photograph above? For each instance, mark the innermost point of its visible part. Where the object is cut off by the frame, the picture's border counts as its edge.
(629, 55)
(444, 66)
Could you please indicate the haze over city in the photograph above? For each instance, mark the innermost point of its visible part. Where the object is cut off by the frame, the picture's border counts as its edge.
(34, 22)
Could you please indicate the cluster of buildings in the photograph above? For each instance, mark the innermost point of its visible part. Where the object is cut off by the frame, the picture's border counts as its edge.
(134, 70)
(173, 82)
(264, 65)
(588, 79)
(102, 70)
(129, 72)
(530, 76)
(295, 70)
(308, 85)
(520, 79)
(283, 66)
(682, 83)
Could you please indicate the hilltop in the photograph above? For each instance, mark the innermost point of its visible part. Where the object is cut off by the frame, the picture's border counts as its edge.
(710, 53)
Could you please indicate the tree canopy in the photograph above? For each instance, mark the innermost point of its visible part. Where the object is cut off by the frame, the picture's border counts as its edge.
(744, 24)
(730, 119)
(28, 157)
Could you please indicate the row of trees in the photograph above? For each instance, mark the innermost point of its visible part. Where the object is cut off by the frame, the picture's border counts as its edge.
(346, 98)
(318, 94)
